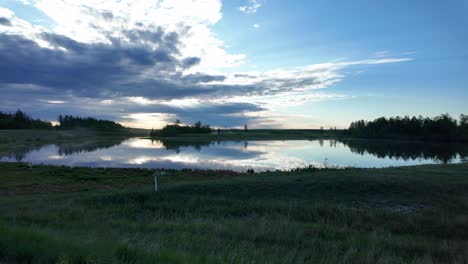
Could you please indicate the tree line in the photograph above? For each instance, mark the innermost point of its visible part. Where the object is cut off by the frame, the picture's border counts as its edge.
(20, 120)
(442, 127)
(178, 129)
(72, 122)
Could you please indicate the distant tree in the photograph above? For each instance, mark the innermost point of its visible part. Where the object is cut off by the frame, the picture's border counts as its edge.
(71, 122)
(20, 120)
(442, 127)
(174, 130)
(246, 128)
(177, 122)
(321, 130)
(463, 127)
(463, 120)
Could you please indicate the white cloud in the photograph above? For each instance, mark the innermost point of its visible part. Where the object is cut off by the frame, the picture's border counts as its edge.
(19, 26)
(56, 102)
(251, 7)
(147, 120)
(100, 20)
(150, 94)
(381, 54)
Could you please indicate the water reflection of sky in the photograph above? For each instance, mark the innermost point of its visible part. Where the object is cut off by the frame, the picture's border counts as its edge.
(259, 155)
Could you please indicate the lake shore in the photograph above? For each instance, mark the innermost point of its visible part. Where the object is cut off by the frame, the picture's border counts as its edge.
(403, 214)
(260, 134)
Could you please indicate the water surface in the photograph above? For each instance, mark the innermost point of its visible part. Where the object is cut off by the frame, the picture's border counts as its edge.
(241, 155)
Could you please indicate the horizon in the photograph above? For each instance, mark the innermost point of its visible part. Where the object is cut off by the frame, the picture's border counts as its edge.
(264, 63)
(56, 123)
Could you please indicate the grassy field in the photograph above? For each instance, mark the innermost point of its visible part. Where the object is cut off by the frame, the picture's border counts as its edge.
(82, 215)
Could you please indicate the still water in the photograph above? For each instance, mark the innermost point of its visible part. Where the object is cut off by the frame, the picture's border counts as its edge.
(240, 155)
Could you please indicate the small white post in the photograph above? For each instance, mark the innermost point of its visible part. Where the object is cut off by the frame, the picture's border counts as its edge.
(156, 182)
(156, 174)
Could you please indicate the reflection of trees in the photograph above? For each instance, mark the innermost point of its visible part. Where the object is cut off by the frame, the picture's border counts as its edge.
(18, 154)
(87, 146)
(64, 148)
(176, 145)
(442, 152)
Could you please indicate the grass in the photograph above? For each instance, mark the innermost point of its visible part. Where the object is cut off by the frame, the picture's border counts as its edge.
(84, 215)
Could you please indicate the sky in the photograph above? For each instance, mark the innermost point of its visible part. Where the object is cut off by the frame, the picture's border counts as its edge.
(264, 63)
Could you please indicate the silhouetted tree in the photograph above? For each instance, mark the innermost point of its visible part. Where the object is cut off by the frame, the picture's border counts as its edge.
(20, 120)
(71, 122)
(174, 130)
(463, 127)
(442, 127)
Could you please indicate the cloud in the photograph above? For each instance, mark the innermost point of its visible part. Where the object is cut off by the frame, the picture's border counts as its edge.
(67, 69)
(127, 60)
(256, 26)
(5, 22)
(91, 69)
(97, 21)
(251, 7)
(381, 54)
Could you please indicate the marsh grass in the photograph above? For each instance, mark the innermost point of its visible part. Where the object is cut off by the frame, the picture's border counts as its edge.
(305, 216)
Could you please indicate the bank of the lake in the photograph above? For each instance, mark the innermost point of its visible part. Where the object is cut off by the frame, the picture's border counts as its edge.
(17, 140)
(393, 215)
(257, 134)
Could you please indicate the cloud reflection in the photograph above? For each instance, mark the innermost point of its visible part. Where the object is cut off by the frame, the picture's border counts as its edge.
(240, 155)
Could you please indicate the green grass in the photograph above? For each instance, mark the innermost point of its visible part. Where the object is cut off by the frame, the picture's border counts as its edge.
(83, 215)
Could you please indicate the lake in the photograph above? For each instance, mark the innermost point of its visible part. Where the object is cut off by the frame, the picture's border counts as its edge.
(240, 155)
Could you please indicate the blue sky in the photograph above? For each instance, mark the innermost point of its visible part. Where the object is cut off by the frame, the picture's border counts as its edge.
(267, 63)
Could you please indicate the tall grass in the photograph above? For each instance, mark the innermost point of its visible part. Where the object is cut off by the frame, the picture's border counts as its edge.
(307, 216)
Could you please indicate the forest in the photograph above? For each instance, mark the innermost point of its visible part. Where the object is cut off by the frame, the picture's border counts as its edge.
(20, 120)
(442, 127)
(72, 122)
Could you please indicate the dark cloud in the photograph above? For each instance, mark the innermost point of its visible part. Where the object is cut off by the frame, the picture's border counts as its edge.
(5, 22)
(122, 69)
(86, 69)
(143, 63)
(189, 62)
(203, 78)
(217, 114)
(37, 101)
(244, 76)
(107, 15)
